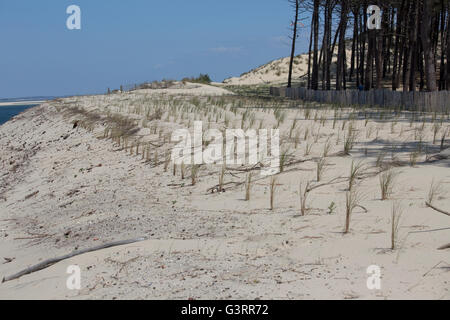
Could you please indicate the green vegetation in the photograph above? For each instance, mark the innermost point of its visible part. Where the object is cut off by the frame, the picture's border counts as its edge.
(202, 78)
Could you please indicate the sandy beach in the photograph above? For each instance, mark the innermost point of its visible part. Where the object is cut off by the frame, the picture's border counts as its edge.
(83, 171)
(21, 103)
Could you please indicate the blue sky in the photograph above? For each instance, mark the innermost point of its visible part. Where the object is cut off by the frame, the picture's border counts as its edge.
(127, 42)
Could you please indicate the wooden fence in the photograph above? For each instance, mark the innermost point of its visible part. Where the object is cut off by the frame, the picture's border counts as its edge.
(414, 101)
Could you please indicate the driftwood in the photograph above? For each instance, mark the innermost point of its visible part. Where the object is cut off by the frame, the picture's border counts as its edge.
(437, 209)
(47, 263)
(210, 190)
(31, 195)
(446, 246)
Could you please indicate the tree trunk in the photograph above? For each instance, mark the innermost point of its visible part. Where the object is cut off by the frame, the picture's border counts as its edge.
(315, 67)
(354, 44)
(379, 57)
(294, 39)
(430, 67)
(447, 78)
(369, 64)
(340, 71)
(411, 62)
(309, 53)
(389, 36)
(326, 44)
(442, 39)
(398, 53)
(364, 36)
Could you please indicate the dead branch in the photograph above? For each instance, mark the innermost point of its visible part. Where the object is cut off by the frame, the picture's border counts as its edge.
(362, 207)
(332, 181)
(224, 184)
(31, 195)
(34, 236)
(52, 261)
(437, 209)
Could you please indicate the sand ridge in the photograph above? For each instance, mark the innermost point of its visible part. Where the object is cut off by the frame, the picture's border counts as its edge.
(64, 188)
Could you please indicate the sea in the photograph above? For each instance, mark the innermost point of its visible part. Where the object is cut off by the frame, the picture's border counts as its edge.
(9, 111)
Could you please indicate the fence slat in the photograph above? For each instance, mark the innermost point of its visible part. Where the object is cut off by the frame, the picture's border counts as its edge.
(414, 101)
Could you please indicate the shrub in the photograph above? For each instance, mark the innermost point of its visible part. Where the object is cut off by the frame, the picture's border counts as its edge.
(202, 78)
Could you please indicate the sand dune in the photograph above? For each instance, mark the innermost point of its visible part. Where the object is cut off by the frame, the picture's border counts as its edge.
(276, 71)
(64, 188)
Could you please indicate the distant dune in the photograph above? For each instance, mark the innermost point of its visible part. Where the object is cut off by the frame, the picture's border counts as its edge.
(272, 72)
(276, 71)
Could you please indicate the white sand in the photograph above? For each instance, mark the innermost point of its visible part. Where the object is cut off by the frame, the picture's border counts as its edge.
(189, 89)
(212, 246)
(20, 103)
(276, 72)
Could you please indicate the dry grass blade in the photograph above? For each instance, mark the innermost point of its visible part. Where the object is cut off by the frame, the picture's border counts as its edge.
(273, 186)
(352, 200)
(355, 171)
(248, 186)
(320, 168)
(304, 198)
(397, 212)
(387, 180)
(194, 174)
(435, 189)
(221, 178)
